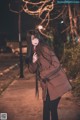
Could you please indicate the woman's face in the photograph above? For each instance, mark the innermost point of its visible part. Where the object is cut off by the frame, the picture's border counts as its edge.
(35, 41)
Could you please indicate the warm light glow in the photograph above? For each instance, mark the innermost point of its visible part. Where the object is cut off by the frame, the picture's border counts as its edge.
(40, 27)
(43, 8)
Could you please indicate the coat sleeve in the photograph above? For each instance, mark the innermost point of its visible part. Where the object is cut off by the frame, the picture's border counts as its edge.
(32, 67)
(54, 65)
(54, 59)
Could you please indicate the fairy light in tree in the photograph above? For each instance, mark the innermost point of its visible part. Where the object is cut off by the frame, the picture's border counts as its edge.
(40, 9)
(73, 24)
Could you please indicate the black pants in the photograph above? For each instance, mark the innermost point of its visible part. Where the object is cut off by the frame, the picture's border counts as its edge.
(50, 108)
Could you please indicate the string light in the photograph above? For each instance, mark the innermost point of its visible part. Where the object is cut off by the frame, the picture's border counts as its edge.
(43, 8)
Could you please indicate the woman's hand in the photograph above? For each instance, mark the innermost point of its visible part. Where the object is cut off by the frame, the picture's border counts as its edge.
(35, 57)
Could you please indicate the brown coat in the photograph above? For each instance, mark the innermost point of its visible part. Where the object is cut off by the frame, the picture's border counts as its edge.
(58, 83)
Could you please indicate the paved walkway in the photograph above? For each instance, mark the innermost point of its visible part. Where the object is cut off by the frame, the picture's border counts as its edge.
(20, 103)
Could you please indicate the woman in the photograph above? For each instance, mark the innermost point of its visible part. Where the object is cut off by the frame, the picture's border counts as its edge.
(42, 60)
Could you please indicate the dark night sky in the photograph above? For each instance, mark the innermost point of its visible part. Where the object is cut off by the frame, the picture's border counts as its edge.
(9, 21)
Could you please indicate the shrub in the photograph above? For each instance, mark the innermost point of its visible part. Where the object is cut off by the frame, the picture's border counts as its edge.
(71, 61)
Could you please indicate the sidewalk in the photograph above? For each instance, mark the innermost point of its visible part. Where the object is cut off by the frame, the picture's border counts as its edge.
(20, 103)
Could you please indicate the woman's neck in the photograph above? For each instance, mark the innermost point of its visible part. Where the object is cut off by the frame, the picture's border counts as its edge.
(34, 47)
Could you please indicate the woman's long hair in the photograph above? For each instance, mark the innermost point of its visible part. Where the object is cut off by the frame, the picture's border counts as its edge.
(29, 49)
(30, 53)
